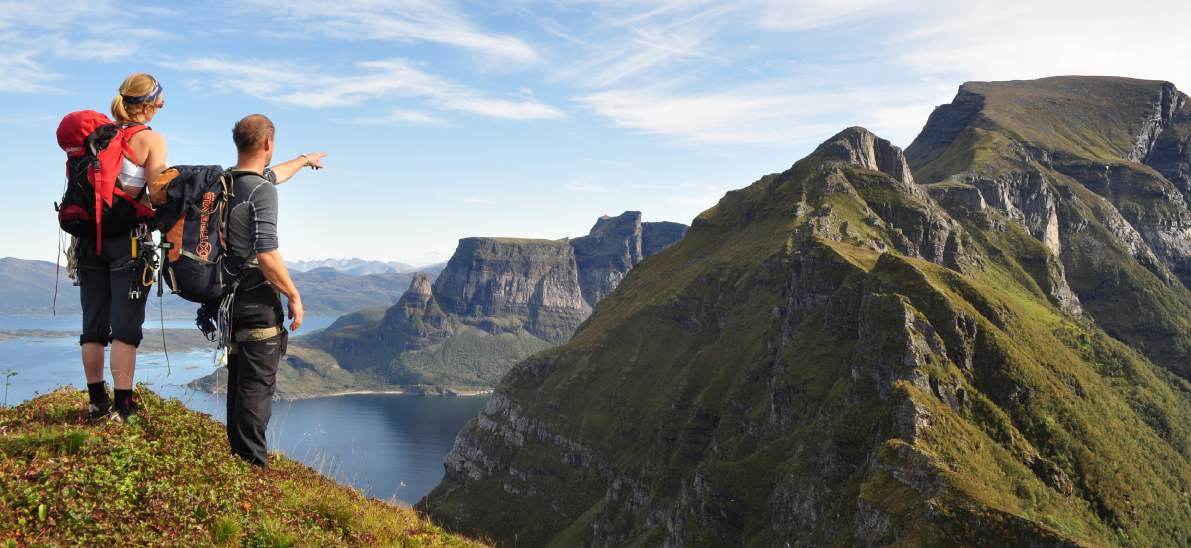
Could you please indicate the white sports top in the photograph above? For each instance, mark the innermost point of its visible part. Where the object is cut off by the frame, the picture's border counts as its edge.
(131, 175)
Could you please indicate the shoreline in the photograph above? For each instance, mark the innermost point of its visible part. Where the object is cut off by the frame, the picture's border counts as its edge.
(439, 392)
(394, 392)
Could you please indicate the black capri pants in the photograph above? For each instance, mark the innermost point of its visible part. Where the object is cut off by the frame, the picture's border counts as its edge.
(104, 281)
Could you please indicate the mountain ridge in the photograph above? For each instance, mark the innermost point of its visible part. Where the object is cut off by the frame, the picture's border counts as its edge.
(836, 355)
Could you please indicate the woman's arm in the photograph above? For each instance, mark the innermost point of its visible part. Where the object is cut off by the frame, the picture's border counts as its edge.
(155, 151)
(151, 148)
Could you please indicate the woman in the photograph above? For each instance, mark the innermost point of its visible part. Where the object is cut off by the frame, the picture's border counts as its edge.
(111, 312)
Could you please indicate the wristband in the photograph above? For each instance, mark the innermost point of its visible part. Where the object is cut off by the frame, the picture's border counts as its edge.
(307, 158)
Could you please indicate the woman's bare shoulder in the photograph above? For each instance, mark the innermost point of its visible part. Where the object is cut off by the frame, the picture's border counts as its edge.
(146, 139)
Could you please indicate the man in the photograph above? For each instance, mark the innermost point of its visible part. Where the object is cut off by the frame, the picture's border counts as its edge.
(258, 338)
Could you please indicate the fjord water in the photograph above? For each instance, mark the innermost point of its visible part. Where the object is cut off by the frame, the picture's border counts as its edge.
(388, 446)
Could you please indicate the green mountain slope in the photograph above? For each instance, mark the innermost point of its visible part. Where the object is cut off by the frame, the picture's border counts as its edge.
(843, 355)
(168, 479)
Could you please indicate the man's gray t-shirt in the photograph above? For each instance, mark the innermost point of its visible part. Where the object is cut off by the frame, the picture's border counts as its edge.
(252, 218)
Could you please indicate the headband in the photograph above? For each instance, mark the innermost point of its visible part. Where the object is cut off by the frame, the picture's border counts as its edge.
(152, 96)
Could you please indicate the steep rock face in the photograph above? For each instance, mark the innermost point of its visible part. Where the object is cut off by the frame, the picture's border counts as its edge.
(1094, 168)
(533, 279)
(807, 367)
(660, 235)
(416, 320)
(860, 147)
(614, 246)
(607, 253)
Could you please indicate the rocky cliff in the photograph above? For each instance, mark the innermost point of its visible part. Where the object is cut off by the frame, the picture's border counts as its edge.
(614, 246)
(849, 353)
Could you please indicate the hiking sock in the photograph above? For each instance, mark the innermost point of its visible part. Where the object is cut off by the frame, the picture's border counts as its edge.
(124, 404)
(101, 404)
(98, 391)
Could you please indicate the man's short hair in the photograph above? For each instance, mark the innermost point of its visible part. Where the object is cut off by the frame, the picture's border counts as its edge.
(251, 132)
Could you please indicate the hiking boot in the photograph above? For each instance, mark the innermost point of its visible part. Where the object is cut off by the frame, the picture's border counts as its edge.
(100, 404)
(126, 406)
(99, 410)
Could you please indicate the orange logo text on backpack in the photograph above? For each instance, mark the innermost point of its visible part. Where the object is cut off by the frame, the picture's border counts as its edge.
(204, 246)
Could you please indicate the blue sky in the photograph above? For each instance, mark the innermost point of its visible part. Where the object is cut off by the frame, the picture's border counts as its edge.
(523, 118)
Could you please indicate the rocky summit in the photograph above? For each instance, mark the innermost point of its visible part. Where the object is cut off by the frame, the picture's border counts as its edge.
(497, 301)
(982, 341)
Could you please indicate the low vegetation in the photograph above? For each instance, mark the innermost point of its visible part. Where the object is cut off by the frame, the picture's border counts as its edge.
(167, 478)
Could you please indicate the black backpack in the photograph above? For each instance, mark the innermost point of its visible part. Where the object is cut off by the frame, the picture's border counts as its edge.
(192, 211)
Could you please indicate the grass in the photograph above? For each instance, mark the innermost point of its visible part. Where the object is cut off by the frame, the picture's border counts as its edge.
(168, 478)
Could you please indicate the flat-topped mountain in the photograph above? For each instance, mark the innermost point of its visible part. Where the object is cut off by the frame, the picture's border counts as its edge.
(497, 301)
(981, 341)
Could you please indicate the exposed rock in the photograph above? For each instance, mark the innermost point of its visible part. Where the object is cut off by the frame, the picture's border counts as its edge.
(607, 253)
(861, 147)
(614, 246)
(532, 279)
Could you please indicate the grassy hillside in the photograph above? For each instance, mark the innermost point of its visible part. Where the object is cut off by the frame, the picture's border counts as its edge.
(168, 478)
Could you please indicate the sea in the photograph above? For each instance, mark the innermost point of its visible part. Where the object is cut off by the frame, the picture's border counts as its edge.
(388, 446)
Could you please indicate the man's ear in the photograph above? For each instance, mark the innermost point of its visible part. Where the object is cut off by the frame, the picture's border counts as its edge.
(269, 144)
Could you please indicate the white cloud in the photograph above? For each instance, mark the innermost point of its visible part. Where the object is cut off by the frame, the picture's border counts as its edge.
(584, 186)
(996, 41)
(402, 116)
(772, 113)
(93, 49)
(787, 15)
(401, 20)
(373, 80)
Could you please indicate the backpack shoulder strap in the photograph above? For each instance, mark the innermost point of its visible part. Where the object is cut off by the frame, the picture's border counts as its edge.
(126, 132)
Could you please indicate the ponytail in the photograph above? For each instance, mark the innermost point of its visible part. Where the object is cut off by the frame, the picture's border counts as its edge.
(119, 112)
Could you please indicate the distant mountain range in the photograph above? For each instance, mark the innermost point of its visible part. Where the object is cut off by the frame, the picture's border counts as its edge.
(360, 267)
(497, 301)
(27, 287)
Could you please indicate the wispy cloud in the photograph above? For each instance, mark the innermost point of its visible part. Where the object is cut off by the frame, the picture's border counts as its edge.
(781, 72)
(630, 39)
(434, 21)
(385, 79)
(22, 73)
(771, 113)
(31, 35)
(407, 117)
(584, 186)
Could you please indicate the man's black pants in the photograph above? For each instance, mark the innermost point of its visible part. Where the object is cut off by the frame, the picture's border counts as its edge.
(252, 372)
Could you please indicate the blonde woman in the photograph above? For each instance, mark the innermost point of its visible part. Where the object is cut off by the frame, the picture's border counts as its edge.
(111, 312)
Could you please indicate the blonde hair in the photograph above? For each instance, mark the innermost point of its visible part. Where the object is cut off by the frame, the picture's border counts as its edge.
(136, 85)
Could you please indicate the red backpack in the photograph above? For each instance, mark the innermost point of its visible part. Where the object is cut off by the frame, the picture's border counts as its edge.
(93, 204)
